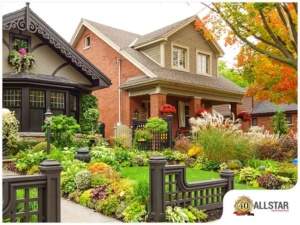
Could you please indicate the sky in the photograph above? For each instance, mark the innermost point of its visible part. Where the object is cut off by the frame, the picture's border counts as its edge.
(138, 16)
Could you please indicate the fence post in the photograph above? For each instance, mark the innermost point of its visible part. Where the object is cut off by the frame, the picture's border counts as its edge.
(51, 199)
(229, 176)
(157, 188)
(169, 119)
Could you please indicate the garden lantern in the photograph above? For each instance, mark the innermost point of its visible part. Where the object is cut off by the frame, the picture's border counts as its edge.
(48, 115)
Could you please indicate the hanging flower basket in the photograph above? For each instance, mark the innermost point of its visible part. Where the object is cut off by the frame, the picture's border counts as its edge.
(167, 109)
(200, 111)
(20, 60)
(244, 116)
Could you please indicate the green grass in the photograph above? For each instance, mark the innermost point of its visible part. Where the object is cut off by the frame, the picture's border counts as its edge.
(141, 174)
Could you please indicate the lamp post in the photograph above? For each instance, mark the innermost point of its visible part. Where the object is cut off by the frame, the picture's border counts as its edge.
(48, 115)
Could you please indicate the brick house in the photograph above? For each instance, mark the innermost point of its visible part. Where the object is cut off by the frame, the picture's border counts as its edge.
(262, 112)
(174, 65)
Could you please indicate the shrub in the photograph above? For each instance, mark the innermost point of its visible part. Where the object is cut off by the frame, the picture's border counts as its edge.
(270, 150)
(42, 146)
(134, 212)
(87, 119)
(288, 146)
(174, 155)
(70, 169)
(269, 181)
(98, 180)
(141, 135)
(141, 192)
(85, 198)
(208, 165)
(139, 160)
(195, 151)
(27, 159)
(103, 169)
(156, 124)
(182, 144)
(108, 206)
(75, 196)
(99, 193)
(279, 123)
(33, 170)
(26, 143)
(184, 215)
(10, 135)
(199, 214)
(123, 157)
(234, 164)
(63, 129)
(83, 179)
(288, 170)
(104, 154)
(221, 145)
(249, 175)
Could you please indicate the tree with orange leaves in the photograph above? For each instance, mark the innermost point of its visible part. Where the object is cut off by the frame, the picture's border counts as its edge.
(267, 33)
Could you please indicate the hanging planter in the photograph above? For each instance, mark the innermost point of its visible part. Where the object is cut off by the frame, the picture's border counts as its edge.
(200, 111)
(167, 109)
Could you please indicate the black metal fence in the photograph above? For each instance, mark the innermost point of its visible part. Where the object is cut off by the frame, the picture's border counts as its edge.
(159, 140)
(168, 187)
(33, 198)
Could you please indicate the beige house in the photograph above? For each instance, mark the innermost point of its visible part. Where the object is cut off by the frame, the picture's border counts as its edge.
(57, 79)
(174, 65)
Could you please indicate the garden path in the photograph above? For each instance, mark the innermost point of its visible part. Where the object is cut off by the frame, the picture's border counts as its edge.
(75, 213)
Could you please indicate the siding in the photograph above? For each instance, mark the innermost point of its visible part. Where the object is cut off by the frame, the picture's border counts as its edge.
(153, 52)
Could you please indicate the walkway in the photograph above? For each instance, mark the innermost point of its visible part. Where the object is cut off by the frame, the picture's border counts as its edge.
(75, 213)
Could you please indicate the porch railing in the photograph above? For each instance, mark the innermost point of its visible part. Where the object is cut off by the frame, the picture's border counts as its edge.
(33, 198)
(159, 140)
(168, 187)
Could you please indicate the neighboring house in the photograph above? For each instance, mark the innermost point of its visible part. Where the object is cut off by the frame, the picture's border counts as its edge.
(174, 65)
(56, 81)
(262, 112)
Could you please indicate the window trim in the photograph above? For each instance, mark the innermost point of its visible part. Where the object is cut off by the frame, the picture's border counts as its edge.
(84, 42)
(187, 69)
(209, 74)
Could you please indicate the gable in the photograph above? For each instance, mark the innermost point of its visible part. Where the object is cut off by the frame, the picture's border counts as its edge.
(26, 21)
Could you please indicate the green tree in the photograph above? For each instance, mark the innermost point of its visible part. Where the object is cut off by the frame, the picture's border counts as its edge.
(280, 124)
(232, 74)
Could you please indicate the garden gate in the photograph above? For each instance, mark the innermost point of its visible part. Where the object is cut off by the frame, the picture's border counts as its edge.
(168, 187)
(33, 198)
(159, 140)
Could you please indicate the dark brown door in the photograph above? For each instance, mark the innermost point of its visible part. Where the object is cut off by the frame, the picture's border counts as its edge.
(37, 108)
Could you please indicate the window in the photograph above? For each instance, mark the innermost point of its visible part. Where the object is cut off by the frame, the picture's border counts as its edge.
(203, 63)
(289, 119)
(87, 42)
(73, 103)
(254, 121)
(37, 99)
(57, 100)
(12, 98)
(180, 58)
(18, 41)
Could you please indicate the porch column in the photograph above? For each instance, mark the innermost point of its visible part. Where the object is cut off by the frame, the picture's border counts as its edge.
(156, 100)
(194, 105)
(233, 108)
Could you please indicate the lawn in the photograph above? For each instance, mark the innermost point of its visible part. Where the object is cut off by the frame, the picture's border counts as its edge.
(142, 174)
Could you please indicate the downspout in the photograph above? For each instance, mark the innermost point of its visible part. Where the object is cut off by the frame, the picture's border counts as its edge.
(119, 90)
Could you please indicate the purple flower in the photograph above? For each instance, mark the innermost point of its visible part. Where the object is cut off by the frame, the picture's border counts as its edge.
(22, 51)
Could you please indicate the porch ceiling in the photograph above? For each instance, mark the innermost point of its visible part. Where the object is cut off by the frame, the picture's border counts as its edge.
(169, 88)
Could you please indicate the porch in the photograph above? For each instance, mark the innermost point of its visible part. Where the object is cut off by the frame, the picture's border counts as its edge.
(145, 106)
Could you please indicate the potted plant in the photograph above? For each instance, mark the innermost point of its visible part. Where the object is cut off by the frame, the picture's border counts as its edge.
(19, 58)
(167, 109)
(200, 111)
(142, 137)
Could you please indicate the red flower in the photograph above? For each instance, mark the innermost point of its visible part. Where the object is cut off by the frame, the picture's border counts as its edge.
(22, 51)
(244, 116)
(167, 108)
(200, 111)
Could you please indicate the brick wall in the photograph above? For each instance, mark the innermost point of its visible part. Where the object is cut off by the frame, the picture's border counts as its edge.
(105, 58)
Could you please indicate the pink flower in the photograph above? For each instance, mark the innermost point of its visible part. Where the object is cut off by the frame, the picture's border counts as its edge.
(22, 51)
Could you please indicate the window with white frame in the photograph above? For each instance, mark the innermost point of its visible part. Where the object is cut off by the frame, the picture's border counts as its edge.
(180, 57)
(87, 42)
(203, 63)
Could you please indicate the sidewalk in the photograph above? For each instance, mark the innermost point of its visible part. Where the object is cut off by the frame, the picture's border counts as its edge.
(75, 213)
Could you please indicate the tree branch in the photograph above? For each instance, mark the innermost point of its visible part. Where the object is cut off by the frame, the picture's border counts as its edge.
(290, 23)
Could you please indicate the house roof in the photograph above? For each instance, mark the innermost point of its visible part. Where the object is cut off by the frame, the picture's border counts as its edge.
(268, 107)
(42, 79)
(26, 20)
(122, 41)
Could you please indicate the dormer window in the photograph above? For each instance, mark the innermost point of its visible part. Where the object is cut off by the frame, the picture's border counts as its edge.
(18, 41)
(179, 57)
(87, 42)
(203, 63)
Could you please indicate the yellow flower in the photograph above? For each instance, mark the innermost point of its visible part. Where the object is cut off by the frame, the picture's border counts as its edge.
(195, 151)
